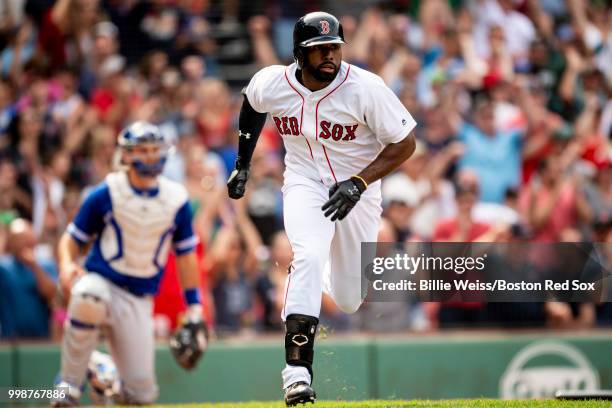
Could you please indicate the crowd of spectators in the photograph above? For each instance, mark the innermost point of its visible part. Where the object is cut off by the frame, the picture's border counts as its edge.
(513, 100)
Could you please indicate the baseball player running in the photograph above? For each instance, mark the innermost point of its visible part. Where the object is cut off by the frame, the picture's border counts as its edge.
(343, 130)
(131, 219)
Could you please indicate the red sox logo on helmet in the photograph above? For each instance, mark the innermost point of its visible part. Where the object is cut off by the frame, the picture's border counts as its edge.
(324, 26)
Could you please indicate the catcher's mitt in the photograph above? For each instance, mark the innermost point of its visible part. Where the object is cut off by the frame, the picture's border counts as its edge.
(188, 343)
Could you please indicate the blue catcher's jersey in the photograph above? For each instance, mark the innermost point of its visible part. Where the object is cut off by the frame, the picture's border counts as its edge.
(134, 230)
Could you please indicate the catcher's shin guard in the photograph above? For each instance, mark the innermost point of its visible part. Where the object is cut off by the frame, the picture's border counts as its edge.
(299, 340)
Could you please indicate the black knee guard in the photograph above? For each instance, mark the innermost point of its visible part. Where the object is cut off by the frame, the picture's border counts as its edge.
(299, 340)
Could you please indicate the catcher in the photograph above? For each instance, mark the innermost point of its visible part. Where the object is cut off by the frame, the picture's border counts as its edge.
(132, 220)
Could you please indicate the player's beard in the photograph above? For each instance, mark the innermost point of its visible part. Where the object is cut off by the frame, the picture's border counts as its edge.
(320, 75)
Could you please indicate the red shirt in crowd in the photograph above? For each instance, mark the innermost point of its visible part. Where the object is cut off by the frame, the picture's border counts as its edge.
(170, 301)
(447, 230)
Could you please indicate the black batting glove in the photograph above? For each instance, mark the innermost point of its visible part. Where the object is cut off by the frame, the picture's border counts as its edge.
(342, 198)
(236, 184)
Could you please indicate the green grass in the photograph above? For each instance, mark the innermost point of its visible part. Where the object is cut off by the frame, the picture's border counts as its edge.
(476, 403)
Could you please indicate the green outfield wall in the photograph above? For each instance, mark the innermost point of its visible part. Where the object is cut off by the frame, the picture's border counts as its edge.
(6, 365)
(487, 365)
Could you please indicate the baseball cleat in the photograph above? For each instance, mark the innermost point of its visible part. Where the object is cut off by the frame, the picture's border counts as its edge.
(103, 378)
(69, 395)
(299, 393)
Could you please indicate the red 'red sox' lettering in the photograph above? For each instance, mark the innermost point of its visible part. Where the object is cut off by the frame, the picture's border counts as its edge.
(350, 132)
(286, 130)
(287, 125)
(293, 124)
(337, 131)
(325, 130)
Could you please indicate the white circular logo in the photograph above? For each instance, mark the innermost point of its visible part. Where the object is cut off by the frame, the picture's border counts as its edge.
(519, 381)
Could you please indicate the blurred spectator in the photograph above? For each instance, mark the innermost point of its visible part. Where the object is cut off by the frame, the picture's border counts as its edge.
(27, 286)
(270, 284)
(288, 13)
(105, 46)
(462, 228)
(48, 217)
(195, 37)
(517, 30)
(602, 259)
(162, 24)
(505, 213)
(264, 198)
(385, 317)
(214, 118)
(19, 50)
(101, 151)
(546, 65)
(599, 194)
(152, 66)
(205, 182)
(64, 36)
(493, 155)
(231, 288)
(263, 47)
(14, 201)
(552, 203)
(415, 198)
(115, 96)
(7, 112)
(545, 130)
(193, 69)
(442, 63)
(233, 260)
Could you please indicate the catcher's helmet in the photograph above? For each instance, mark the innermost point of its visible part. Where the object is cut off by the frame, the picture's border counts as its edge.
(314, 29)
(143, 132)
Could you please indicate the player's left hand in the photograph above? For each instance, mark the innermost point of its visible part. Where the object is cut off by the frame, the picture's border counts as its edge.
(342, 198)
(190, 340)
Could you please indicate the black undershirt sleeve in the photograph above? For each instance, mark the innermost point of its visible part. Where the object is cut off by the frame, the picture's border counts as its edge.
(250, 124)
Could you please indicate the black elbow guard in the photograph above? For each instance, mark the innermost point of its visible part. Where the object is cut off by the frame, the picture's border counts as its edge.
(250, 124)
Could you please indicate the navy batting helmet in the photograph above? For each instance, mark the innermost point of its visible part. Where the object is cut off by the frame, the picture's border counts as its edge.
(314, 29)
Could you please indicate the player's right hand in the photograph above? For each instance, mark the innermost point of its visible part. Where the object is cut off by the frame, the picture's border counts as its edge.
(236, 184)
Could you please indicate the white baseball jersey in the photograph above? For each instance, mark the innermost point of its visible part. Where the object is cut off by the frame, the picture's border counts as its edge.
(333, 133)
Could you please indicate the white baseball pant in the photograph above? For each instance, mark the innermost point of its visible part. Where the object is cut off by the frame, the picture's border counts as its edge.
(326, 254)
(97, 304)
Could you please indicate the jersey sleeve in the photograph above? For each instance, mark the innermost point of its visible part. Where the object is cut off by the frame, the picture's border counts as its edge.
(184, 239)
(259, 87)
(89, 220)
(386, 115)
